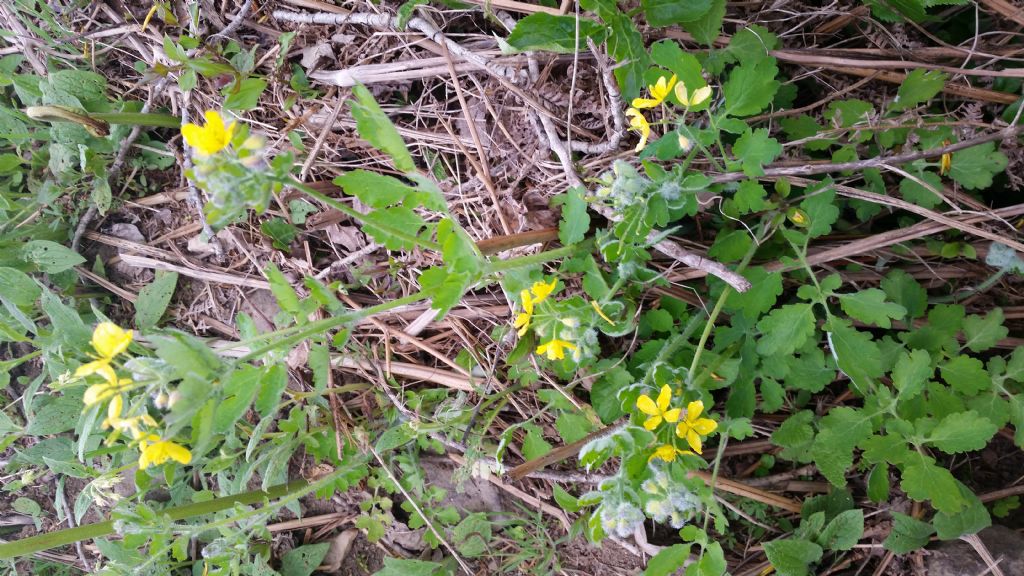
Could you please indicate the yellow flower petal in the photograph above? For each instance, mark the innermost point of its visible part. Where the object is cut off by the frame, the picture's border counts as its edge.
(644, 103)
(542, 290)
(101, 367)
(109, 339)
(209, 139)
(93, 394)
(694, 441)
(693, 410)
(672, 415)
(597, 308)
(652, 422)
(700, 95)
(704, 426)
(647, 406)
(664, 398)
(639, 123)
(666, 452)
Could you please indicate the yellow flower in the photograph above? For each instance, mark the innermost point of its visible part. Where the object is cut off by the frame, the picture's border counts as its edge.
(798, 217)
(542, 290)
(211, 138)
(639, 123)
(555, 349)
(658, 410)
(693, 426)
(130, 425)
(155, 450)
(522, 321)
(659, 91)
(109, 340)
(668, 453)
(698, 97)
(946, 161)
(597, 308)
(99, 392)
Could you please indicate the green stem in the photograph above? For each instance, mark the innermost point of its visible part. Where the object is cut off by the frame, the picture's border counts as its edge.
(139, 119)
(532, 259)
(33, 544)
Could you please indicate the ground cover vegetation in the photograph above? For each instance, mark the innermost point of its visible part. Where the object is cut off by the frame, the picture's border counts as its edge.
(420, 288)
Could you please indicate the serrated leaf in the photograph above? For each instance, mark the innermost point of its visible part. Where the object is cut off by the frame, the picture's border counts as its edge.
(376, 128)
(972, 519)
(473, 535)
(926, 481)
(795, 435)
(912, 371)
(272, 385)
(534, 445)
(750, 197)
(962, 432)
(918, 87)
(974, 167)
(707, 28)
(904, 290)
(246, 95)
(785, 329)
(575, 220)
(857, 355)
(154, 298)
(750, 88)
(821, 211)
(563, 34)
(302, 561)
(668, 561)
(755, 149)
(397, 228)
(374, 190)
(50, 257)
(58, 415)
(843, 532)
(662, 13)
(966, 375)
(752, 44)
(792, 557)
(240, 389)
(869, 306)
(984, 332)
(913, 191)
(831, 457)
(766, 287)
(604, 394)
(572, 427)
(908, 534)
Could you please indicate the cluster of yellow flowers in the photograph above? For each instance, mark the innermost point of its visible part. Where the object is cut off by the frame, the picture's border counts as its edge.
(659, 92)
(109, 341)
(690, 427)
(554, 348)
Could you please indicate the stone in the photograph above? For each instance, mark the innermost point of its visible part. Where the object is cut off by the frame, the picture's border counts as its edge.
(958, 558)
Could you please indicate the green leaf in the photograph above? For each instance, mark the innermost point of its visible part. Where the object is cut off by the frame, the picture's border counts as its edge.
(154, 298)
(926, 481)
(604, 394)
(908, 534)
(848, 113)
(878, 483)
(912, 371)
(962, 432)
(534, 445)
(18, 288)
(831, 457)
(394, 437)
(792, 557)
(662, 13)
(282, 290)
(795, 435)
(668, 561)
(966, 375)
(919, 87)
(972, 519)
(821, 209)
(58, 415)
(398, 567)
(572, 427)
(843, 532)
(246, 96)
(240, 390)
(905, 291)
(272, 385)
(984, 332)
(374, 190)
(785, 329)
(575, 220)
(543, 31)
(750, 88)
(755, 149)
(377, 129)
(869, 306)
(396, 228)
(913, 191)
(750, 197)
(810, 371)
(856, 354)
(974, 167)
(302, 561)
(50, 257)
(473, 535)
(752, 44)
(707, 28)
